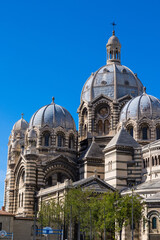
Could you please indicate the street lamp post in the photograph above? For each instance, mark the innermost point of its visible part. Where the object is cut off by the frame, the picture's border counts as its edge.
(104, 224)
(132, 216)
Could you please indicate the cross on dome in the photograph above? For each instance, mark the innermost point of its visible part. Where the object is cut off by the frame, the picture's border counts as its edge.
(113, 24)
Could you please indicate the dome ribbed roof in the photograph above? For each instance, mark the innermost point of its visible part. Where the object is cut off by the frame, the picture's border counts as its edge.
(141, 106)
(112, 80)
(54, 116)
(20, 125)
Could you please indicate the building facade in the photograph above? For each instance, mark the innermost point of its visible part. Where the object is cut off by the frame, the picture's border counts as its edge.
(117, 145)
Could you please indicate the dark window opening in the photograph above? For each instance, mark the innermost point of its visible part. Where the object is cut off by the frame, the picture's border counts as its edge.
(50, 181)
(46, 139)
(144, 133)
(130, 131)
(144, 164)
(22, 201)
(0, 226)
(71, 142)
(158, 133)
(60, 142)
(19, 200)
(154, 223)
(126, 83)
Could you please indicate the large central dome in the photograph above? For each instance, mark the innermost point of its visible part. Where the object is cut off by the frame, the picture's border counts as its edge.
(112, 80)
(54, 116)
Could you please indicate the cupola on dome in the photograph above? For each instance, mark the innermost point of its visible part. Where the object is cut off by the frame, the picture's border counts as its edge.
(113, 40)
(54, 116)
(20, 125)
(141, 106)
(112, 80)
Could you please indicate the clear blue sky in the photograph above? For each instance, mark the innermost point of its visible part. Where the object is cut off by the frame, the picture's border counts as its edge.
(49, 48)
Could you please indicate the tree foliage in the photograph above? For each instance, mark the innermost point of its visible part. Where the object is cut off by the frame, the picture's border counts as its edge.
(94, 213)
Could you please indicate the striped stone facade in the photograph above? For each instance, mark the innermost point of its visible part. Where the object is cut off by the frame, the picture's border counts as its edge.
(121, 150)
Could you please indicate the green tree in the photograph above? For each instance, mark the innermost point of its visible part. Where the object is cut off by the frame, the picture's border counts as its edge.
(76, 208)
(51, 214)
(123, 210)
(92, 213)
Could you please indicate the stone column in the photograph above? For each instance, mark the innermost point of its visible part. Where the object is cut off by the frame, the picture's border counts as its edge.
(30, 185)
(11, 192)
(115, 115)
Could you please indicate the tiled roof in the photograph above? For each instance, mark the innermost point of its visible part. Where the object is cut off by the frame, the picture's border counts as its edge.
(5, 213)
(122, 138)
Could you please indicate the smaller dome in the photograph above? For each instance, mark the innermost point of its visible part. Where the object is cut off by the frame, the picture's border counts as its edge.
(141, 106)
(54, 116)
(20, 125)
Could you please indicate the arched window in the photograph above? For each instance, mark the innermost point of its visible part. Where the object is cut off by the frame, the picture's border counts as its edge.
(85, 130)
(84, 115)
(158, 132)
(152, 161)
(46, 138)
(60, 140)
(154, 223)
(156, 161)
(145, 132)
(49, 180)
(106, 127)
(71, 141)
(23, 176)
(130, 130)
(22, 201)
(19, 199)
(144, 165)
(100, 127)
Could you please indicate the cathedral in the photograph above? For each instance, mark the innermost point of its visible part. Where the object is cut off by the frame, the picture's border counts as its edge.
(116, 146)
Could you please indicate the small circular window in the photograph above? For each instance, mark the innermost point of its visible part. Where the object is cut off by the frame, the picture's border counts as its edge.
(126, 83)
(105, 70)
(124, 70)
(104, 83)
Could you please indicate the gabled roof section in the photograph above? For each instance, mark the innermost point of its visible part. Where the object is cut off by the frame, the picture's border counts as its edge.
(94, 151)
(121, 99)
(122, 138)
(94, 183)
(101, 96)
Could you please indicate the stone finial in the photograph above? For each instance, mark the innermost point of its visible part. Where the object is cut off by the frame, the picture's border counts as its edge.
(144, 89)
(113, 24)
(95, 172)
(53, 98)
(93, 139)
(22, 114)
